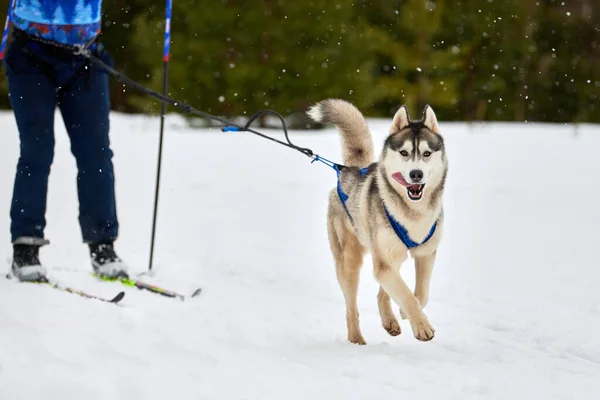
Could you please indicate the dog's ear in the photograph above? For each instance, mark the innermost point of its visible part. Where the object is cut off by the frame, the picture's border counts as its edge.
(430, 120)
(401, 120)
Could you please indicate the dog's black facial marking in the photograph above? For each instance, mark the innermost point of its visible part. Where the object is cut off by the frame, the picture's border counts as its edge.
(415, 132)
(434, 141)
(396, 140)
(415, 127)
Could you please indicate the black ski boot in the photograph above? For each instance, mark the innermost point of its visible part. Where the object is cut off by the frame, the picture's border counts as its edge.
(26, 264)
(105, 261)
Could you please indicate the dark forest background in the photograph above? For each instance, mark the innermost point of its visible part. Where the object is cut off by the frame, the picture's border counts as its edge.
(509, 60)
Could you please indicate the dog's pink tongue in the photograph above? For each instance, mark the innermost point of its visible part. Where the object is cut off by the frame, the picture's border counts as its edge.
(400, 179)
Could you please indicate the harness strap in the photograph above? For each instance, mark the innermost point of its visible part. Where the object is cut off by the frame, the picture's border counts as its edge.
(342, 195)
(400, 230)
(403, 233)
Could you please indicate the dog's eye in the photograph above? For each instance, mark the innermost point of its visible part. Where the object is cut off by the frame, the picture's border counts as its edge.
(404, 153)
(426, 154)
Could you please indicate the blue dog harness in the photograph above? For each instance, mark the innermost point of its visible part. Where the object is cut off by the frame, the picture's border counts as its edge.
(397, 226)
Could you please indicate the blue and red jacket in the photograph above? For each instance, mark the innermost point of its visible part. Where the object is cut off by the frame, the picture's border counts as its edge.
(65, 21)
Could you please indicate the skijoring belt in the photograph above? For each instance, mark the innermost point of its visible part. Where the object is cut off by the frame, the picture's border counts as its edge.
(57, 48)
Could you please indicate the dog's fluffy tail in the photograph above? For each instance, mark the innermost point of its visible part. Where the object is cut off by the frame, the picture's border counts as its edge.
(357, 143)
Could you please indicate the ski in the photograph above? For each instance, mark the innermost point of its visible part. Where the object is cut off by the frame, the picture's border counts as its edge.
(54, 285)
(86, 295)
(127, 281)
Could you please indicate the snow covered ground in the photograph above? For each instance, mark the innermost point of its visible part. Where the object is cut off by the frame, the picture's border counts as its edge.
(515, 299)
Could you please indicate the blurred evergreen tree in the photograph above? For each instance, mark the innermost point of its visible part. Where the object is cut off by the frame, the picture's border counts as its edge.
(495, 43)
(568, 80)
(413, 66)
(505, 60)
(236, 57)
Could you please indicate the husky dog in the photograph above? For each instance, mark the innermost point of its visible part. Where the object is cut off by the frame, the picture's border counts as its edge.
(389, 207)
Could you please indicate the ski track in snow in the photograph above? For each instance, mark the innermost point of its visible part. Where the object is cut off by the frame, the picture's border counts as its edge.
(514, 293)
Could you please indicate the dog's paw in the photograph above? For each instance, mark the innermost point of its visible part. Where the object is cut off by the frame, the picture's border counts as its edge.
(357, 339)
(422, 329)
(392, 327)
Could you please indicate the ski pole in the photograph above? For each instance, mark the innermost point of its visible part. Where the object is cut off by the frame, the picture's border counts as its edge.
(166, 56)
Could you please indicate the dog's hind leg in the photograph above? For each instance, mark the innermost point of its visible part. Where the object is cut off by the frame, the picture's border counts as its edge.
(348, 254)
(388, 319)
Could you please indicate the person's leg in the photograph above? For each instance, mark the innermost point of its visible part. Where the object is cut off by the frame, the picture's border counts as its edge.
(85, 107)
(33, 99)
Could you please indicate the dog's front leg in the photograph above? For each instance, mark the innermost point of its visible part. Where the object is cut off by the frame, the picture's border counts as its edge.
(389, 278)
(423, 271)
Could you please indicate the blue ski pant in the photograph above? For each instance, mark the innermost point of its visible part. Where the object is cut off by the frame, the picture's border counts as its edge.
(39, 80)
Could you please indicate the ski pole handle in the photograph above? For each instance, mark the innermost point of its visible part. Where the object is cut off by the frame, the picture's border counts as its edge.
(166, 54)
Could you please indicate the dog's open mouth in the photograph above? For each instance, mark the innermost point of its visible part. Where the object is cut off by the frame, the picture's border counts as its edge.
(413, 190)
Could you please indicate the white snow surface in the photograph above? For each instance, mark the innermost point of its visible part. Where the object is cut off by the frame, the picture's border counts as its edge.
(514, 301)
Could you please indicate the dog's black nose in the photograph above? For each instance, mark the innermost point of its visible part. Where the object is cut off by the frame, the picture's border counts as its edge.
(416, 175)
